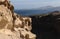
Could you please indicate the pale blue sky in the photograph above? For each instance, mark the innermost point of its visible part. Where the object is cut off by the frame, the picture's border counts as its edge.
(29, 4)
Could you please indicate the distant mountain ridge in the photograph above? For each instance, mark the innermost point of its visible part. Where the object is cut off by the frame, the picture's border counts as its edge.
(42, 10)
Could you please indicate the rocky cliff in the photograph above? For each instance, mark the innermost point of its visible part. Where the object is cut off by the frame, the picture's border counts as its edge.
(12, 25)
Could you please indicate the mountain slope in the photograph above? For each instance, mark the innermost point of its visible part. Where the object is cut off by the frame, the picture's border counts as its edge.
(41, 10)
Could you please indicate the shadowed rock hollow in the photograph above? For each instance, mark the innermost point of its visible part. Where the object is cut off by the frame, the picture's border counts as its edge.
(46, 26)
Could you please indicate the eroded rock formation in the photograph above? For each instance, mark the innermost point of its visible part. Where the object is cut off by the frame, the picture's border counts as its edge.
(12, 25)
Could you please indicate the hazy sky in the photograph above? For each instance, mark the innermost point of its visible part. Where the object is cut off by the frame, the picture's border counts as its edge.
(28, 4)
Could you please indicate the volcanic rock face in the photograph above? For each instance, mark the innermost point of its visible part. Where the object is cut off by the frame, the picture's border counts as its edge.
(12, 25)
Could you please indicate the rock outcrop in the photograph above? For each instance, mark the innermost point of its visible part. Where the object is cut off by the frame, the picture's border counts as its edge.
(12, 25)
